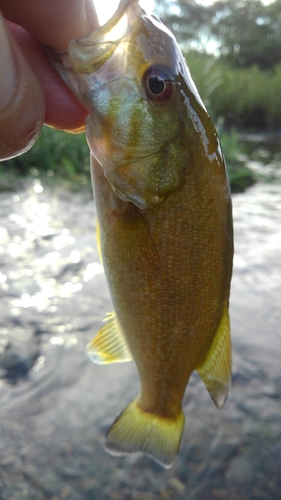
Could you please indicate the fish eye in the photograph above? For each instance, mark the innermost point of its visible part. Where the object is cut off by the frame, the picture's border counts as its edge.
(158, 83)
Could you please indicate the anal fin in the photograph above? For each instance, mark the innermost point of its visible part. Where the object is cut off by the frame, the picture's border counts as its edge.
(215, 370)
(109, 345)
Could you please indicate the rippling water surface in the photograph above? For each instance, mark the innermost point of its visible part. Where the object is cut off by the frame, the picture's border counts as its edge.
(55, 405)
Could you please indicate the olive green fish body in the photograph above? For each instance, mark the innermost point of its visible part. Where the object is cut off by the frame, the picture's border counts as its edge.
(164, 223)
(166, 272)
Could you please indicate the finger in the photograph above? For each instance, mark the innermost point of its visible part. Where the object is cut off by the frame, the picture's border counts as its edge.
(63, 111)
(22, 107)
(53, 22)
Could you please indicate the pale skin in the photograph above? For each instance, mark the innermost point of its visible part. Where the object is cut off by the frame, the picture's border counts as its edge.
(31, 93)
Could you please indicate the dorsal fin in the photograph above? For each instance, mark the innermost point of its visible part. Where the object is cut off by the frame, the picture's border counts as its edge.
(215, 371)
(109, 345)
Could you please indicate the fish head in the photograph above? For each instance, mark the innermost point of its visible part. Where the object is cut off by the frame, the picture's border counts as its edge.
(133, 79)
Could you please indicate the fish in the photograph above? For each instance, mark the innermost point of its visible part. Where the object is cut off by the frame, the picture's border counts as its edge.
(165, 232)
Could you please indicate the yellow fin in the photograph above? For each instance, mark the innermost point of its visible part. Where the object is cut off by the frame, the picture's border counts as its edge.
(138, 431)
(109, 345)
(215, 371)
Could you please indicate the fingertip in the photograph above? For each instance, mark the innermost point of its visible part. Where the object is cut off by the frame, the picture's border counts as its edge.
(53, 23)
(63, 111)
(8, 76)
(22, 101)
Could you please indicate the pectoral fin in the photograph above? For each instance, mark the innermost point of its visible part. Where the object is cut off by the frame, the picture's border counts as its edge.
(109, 345)
(215, 371)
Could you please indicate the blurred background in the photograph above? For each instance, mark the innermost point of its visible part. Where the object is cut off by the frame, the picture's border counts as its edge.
(233, 49)
(55, 406)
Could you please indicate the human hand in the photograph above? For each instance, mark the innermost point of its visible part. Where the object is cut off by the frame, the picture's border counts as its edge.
(31, 92)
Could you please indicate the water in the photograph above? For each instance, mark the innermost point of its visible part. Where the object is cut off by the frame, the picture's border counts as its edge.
(263, 155)
(55, 406)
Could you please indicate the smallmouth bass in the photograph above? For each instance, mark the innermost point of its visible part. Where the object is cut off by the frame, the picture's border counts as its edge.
(164, 223)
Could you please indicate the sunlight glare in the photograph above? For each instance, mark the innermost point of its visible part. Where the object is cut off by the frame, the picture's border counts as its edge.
(209, 2)
(106, 8)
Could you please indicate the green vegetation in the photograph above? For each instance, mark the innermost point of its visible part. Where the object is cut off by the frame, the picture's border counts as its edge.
(245, 32)
(55, 152)
(241, 80)
(247, 98)
(240, 176)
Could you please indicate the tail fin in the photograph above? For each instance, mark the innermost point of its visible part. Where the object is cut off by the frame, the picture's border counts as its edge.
(138, 431)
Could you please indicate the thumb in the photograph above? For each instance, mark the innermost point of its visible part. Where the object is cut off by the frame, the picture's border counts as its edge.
(22, 106)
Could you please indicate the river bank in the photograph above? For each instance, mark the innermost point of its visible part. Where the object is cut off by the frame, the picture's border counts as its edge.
(55, 406)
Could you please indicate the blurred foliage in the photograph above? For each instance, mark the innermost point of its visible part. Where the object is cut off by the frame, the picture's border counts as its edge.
(247, 98)
(240, 176)
(244, 32)
(56, 153)
(233, 49)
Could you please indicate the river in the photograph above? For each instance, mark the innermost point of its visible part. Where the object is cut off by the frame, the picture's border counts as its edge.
(55, 406)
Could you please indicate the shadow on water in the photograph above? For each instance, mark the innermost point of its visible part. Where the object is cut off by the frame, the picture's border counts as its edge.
(55, 406)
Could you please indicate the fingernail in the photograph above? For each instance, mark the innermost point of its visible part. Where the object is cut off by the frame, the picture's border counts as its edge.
(8, 69)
